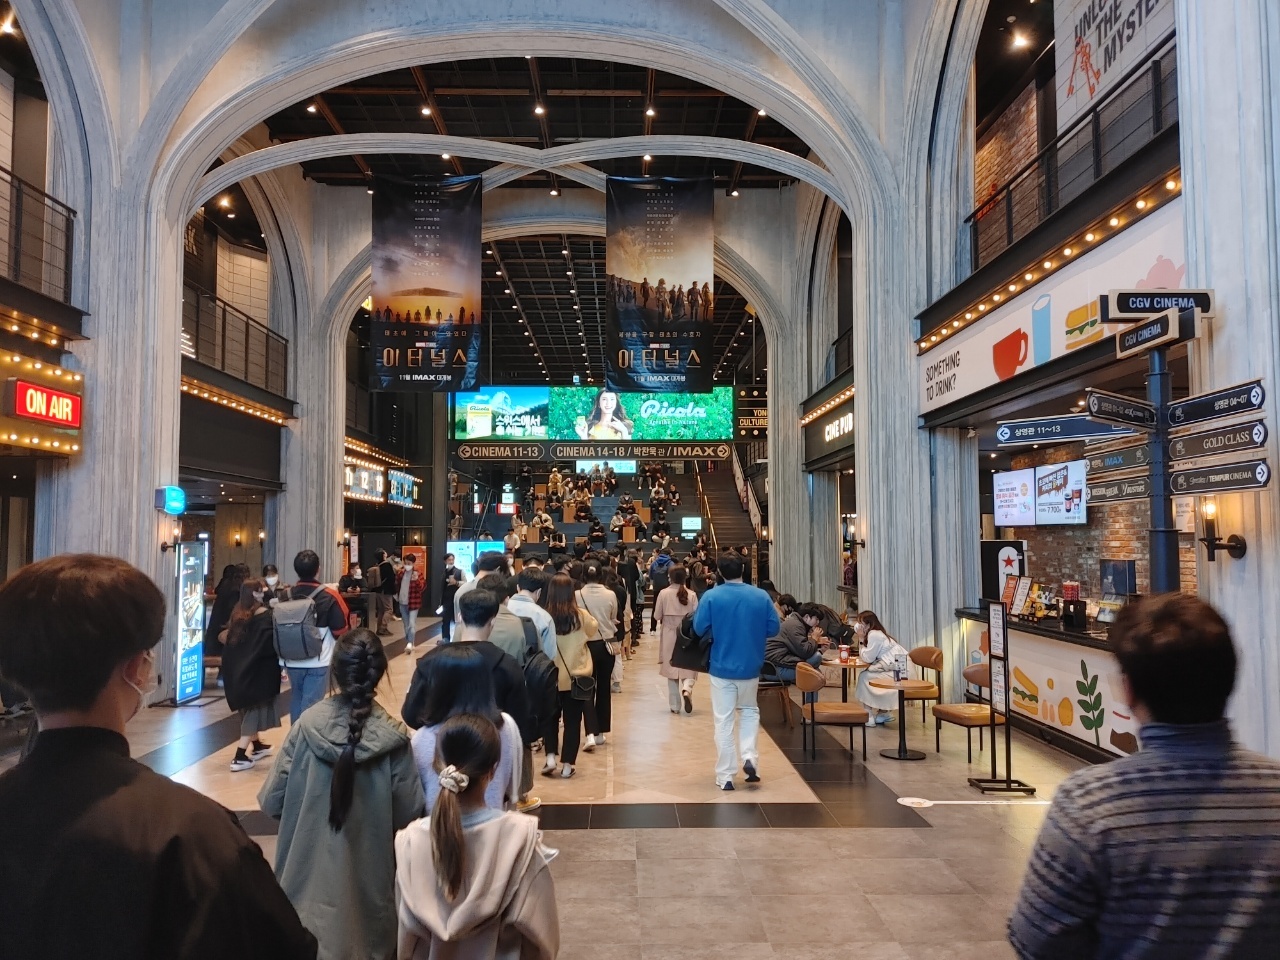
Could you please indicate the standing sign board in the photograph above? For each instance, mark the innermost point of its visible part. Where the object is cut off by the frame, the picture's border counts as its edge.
(193, 562)
(1115, 408)
(998, 657)
(1169, 327)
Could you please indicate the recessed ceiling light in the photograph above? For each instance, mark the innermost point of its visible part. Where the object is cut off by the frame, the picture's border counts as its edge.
(1020, 41)
(539, 110)
(1048, 264)
(555, 192)
(311, 108)
(489, 252)
(426, 111)
(506, 289)
(761, 112)
(1066, 251)
(565, 252)
(1141, 204)
(1027, 277)
(444, 156)
(733, 193)
(1013, 287)
(1171, 185)
(647, 158)
(369, 191)
(968, 316)
(498, 272)
(1088, 238)
(231, 216)
(650, 112)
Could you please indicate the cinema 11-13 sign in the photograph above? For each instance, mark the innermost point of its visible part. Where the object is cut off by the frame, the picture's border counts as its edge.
(426, 323)
(660, 302)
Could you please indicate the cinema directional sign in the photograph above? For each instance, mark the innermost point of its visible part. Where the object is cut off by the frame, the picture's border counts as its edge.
(1145, 303)
(1172, 326)
(1209, 443)
(1076, 426)
(1114, 491)
(1128, 458)
(1250, 475)
(1114, 408)
(1245, 398)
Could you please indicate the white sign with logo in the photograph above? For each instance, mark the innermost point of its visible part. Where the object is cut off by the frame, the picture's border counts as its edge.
(1056, 316)
(1096, 42)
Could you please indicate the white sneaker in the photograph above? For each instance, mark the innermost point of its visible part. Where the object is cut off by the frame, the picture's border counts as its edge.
(567, 771)
(590, 745)
(600, 739)
(408, 648)
(615, 687)
(238, 764)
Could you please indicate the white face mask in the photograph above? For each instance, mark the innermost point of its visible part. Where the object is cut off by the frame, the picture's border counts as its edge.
(258, 595)
(272, 581)
(357, 574)
(148, 687)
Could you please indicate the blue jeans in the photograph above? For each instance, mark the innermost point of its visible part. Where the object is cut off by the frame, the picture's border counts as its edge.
(306, 686)
(789, 674)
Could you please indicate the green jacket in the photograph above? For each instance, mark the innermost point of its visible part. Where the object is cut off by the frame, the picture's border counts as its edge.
(343, 884)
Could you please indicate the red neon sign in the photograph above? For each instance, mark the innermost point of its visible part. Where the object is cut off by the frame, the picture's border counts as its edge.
(44, 405)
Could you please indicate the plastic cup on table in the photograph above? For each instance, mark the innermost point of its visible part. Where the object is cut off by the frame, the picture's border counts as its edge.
(844, 653)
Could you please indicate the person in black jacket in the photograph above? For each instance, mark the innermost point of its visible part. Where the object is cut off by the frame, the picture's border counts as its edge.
(384, 598)
(225, 596)
(793, 643)
(109, 859)
(252, 673)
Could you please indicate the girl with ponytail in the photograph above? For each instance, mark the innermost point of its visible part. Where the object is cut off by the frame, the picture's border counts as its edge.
(343, 783)
(472, 882)
(674, 603)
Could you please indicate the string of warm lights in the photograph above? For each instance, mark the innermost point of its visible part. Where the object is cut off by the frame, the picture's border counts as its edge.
(356, 461)
(374, 452)
(49, 371)
(827, 406)
(32, 441)
(37, 334)
(1110, 226)
(203, 391)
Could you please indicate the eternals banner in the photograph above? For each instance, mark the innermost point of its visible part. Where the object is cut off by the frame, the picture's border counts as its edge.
(427, 332)
(659, 303)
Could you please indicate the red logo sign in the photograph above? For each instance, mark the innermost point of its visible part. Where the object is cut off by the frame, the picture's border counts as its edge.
(29, 401)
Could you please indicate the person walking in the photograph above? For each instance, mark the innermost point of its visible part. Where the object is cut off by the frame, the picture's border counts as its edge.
(599, 601)
(629, 571)
(452, 578)
(472, 882)
(384, 591)
(673, 604)
(739, 618)
(103, 857)
(880, 652)
(307, 676)
(573, 628)
(251, 673)
(409, 594)
(1172, 852)
(342, 784)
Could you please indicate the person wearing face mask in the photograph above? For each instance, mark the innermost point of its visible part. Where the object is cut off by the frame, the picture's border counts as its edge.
(152, 867)
(275, 590)
(409, 592)
(354, 590)
(252, 673)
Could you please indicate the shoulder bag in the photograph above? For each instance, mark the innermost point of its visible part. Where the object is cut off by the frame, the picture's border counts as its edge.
(613, 646)
(580, 688)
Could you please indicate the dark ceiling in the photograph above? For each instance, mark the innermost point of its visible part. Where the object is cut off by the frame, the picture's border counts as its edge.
(496, 99)
(1000, 66)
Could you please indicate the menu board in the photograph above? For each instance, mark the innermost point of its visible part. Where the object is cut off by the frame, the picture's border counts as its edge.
(999, 685)
(1060, 493)
(1015, 498)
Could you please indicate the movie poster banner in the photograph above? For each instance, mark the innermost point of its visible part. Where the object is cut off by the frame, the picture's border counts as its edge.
(659, 303)
(426, 325)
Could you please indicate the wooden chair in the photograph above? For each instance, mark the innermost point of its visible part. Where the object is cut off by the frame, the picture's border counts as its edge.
(628, 534)
(967, 715)
(770, 682)
(927, 658)
(848, 715)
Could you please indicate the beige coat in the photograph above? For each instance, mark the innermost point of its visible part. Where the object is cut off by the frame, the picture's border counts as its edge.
(668, 612)
(572, 656)
(506, 909)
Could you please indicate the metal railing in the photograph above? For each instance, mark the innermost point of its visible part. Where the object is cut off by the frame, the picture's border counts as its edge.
(842, 353)
(36, 234)
(1143, 103)
(747, 495)
(705, 506)
(218, 335)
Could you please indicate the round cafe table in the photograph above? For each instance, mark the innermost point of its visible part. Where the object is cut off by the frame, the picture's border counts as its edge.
(853, 664)
(903, 687)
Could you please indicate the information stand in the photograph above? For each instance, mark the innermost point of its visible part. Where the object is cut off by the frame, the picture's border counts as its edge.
(998, 657)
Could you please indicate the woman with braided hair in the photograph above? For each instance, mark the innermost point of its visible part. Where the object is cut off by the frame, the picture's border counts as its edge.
(343, 783)
(472, 882)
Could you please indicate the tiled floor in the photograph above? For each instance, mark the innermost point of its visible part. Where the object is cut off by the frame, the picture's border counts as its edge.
(818, 862)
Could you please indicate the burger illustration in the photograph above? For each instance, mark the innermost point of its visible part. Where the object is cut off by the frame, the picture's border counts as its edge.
(1084, 326)
(1025, 693)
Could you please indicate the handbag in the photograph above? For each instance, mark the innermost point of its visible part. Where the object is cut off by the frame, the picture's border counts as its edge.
(580, 688)
(613, 646)
(692, 651)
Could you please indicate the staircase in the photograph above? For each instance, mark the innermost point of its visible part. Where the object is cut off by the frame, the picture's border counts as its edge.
(731, 523)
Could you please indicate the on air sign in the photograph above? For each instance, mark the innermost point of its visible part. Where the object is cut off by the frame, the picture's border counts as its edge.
(31, 401)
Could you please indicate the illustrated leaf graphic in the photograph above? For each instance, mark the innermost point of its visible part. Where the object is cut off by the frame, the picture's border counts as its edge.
(1093, 686)
(1097, 703)
(1084, 670)
(1082, 688)
(1085, 709)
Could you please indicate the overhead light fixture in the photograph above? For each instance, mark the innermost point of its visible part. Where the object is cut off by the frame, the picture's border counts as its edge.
(733, 193)
(445, 156)
(1141, 204)
(761, 112)
(555, 192)
(647, 157)
(369, 191)
(650, 112)
(231, 216)
(539, 110)
(1088, 238)
(1048, 264)
(1115, 221)
(426, 111)
(224, 202)
(565, 252)
(7, 26)
(1171, 185)
(311, 108)
(1020, 41)
(498, 272)
(968, 316)
(1066, 251)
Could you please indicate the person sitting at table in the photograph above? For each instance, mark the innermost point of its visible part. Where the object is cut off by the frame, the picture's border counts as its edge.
(617, 523)
(353, 580)
(636, 524)
(879, 652)
(627, 503)
(793, 644)
(582, 513)
(557, 543)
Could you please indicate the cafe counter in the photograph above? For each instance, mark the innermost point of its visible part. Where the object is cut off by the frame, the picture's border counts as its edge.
(1064, 684)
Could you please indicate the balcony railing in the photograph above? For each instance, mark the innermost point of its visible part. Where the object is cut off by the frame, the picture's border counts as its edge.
(1144, 103)
(36, 234)
(218, 335)
(842, 352)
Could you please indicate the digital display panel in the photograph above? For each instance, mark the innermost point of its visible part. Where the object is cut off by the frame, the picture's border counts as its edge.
(623, 468)
(515, 413)
(1015, 498)
(588, 413)
(1060, 491)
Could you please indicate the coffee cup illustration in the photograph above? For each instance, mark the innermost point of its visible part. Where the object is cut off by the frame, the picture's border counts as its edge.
(1010, 353)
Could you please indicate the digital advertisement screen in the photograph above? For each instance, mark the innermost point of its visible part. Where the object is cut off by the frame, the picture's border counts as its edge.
(1060, 491)
(690, 524)
(518, 413)
(1015, 498)
(588, 413)
(620, 467)
(403, 490)
(464, 553)
(193, 563)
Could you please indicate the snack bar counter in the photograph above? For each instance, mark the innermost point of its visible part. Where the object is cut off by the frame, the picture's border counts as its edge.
(1064, 684)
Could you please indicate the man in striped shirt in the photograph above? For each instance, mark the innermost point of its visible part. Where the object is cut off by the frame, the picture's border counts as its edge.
(1174, 852)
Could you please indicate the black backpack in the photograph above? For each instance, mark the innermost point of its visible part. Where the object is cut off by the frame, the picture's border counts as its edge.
(661, 576)
(541, 679)
(692, 650)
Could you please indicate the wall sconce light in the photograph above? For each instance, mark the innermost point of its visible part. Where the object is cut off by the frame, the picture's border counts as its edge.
(237, 539)
(1234, 545)
(346, 539)
(262, 537)
(166, 546)
(415, 539)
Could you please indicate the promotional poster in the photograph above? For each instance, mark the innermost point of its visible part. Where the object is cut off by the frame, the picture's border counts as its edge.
(585, 413)
(1060, 493)
(659, 294)
(519, 413)
(426, 324)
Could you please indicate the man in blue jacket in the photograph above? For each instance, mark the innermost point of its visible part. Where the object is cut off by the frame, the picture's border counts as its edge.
(740, 617)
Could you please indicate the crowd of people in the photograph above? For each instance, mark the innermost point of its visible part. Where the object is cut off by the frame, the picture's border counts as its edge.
(404, 836)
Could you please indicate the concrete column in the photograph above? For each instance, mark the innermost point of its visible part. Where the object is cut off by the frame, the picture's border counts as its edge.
(956, 526)
(1228, 78)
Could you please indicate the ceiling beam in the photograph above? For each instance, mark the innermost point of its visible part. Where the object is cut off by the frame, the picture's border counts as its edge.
(737, 167)
(428, 98)
(539, 99)
(322, 108)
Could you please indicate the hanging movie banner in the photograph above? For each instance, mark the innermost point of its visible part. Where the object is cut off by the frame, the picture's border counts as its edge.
(426, 324)
(659, 303)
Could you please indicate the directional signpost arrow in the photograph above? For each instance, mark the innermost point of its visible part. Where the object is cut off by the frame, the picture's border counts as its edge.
(1145, 303)
(1169, 327)
(1114, 408)
(1018, 433)
(1125, 459)
(1250, 475)
(1113, 491)
(1240, 436)
(1245, 398)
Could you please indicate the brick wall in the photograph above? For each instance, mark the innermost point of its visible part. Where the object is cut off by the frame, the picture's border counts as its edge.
(1007, 145)
(1115, 531)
